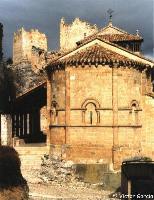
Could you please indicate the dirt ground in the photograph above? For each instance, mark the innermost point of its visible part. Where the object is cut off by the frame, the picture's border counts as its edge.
(56, 180)
(42, 188)
(68, 192)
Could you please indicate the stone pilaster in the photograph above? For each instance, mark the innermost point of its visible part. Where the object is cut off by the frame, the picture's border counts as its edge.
(49, 96)
(67, 104)
(6, 129)
(115, 111)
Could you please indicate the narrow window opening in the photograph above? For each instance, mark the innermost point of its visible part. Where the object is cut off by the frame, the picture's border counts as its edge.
(28, 124)
(91, 117)
(134, 112)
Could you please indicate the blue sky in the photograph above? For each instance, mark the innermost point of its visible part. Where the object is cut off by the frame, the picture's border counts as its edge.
(45, 15)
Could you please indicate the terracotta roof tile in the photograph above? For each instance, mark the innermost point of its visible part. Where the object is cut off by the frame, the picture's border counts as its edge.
(121, 37)
(95, 54)
(31, 89)
(112, 38)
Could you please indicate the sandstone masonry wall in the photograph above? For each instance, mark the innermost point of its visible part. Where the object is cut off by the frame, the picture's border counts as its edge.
(98, 113)
(148, 127)
(24, 41)
(72, 33)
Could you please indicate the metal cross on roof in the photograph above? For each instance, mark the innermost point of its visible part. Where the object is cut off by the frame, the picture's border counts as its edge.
(110, 11)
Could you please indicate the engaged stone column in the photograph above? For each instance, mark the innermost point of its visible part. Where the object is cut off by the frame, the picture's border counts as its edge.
(49, 99)
(6, 129)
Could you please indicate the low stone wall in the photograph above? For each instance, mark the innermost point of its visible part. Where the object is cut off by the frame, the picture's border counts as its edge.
(54, 169)
(98, 174)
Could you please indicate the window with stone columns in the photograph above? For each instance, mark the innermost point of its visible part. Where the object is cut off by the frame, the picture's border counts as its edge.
(90, 112)
(134, 112)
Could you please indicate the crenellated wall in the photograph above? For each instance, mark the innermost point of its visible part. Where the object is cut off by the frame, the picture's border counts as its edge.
(24, 41)
(72, 33)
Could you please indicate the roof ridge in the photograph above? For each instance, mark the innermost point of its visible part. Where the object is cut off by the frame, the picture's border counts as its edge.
(117, 28)
(107, 34)
(113, 44)
(131, 34)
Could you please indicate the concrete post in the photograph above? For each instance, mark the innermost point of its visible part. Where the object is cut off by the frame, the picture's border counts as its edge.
(6, 129)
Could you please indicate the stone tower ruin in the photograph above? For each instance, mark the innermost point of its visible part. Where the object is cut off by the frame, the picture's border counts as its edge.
(72, 33)
(24, 41)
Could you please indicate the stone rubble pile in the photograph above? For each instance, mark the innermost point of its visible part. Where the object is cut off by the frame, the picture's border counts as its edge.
(57, 170)
(59, 179)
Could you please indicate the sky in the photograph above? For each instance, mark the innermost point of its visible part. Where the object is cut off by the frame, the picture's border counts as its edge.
(45, 15)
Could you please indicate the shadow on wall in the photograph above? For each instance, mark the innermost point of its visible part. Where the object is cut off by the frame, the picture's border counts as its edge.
(12, 183)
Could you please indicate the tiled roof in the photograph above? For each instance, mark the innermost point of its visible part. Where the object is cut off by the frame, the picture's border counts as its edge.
(31, 89)
(111, 26)
(25, 78)
(112, 38)
(53, 55)
(95, 54)
(121, 37)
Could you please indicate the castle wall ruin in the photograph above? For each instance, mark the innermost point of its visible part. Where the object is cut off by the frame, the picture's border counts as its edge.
(72, 33)
(24, 41)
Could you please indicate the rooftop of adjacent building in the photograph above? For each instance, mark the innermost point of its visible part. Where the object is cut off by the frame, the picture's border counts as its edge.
(120, 36)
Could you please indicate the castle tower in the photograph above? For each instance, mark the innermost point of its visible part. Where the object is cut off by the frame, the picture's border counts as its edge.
(23, 43)
(72, 33)
(1, 37)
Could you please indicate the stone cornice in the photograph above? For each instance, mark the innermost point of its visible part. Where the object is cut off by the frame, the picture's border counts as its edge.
(94, 126)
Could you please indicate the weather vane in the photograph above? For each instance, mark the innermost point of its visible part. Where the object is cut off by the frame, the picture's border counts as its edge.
(110, 11)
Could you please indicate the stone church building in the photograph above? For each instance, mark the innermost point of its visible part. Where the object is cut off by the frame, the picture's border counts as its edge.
(92, 101)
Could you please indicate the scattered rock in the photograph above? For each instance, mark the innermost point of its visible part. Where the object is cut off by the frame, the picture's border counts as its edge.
(53, 169)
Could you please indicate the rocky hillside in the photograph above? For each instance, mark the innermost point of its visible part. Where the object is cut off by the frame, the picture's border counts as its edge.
(25, 77)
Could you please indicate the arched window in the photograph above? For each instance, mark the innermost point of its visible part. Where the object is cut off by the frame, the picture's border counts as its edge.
(90, 113)
(134, 106)
(134, 112)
